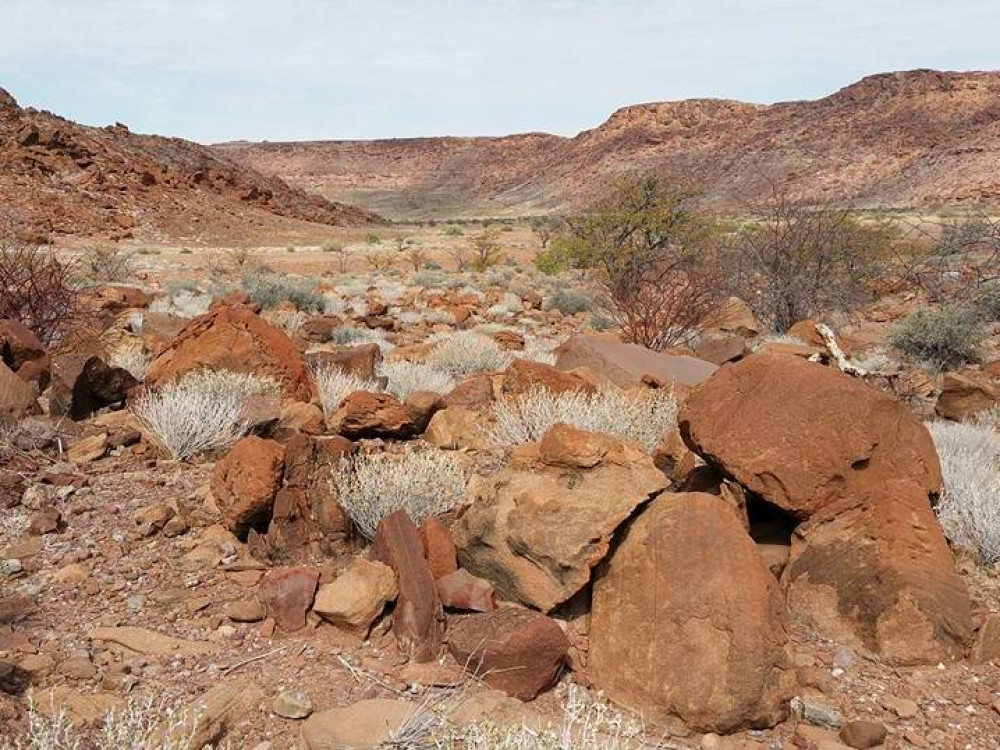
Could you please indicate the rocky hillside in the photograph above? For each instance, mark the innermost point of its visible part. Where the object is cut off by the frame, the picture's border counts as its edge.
(911, 139)
(64, 178)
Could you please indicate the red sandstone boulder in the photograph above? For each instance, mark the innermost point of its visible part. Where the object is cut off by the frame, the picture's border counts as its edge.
(18, 344)
(234, 338)
(802, 435)
(361, 360)
(245, 482)
(462, 590)
(514, 650)
(17, 398)
(687, 620)
(966, 394)
(524, 375)
(287, 594)
(365, 414)
(876, 573)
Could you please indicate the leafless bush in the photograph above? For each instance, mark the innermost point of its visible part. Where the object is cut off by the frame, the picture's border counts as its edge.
(796, 261)
(109, 263)
(38, 288)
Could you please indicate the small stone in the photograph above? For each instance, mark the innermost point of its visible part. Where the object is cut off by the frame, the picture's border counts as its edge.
(843, 658)
(863, 734)
(904, 708)
(11, 567)
(246, 610)
(814, 712)
(292, 704)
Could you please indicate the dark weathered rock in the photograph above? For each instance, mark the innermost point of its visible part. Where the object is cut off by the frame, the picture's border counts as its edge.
(418, 618)
(515, 650)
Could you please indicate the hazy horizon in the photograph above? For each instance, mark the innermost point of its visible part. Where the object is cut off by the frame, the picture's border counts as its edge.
(224, 70)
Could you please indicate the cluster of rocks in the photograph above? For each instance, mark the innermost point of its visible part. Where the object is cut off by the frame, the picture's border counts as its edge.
(791, 494)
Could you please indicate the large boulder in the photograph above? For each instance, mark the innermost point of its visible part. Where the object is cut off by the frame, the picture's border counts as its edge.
(802, 435)
(626, 364)
(365, 414)
(237, 339)
(687, 620)
(514, 650)
(876, 573)
(245, 482)
(537, 528)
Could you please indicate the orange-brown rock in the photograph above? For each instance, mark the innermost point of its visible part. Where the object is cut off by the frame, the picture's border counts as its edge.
(876, 573)
(287, 595)
(475, 393)
(18, 344)
(803, 435)
(361, 360)
(966, 394)
(673, 635)
(462, 590)
(364, 414)
(524, 375)
(722, 349)
(514, 650)
(439, 548)
(237, 339)
(17, 397)
(245, 482)
(536, 529)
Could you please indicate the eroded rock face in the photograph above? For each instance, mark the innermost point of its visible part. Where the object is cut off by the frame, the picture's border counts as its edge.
(803, 436)
(537, 528)
(687, 621)
(876, 573)
(966, 394)
(237, 339)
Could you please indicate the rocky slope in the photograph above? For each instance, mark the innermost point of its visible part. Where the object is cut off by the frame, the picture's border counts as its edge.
(64, 178)
(910, 139)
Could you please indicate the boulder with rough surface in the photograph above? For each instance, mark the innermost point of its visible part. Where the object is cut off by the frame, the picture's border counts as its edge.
(687, 620)
(287, 594)
(965, 395)
(876, 573)
(365, 414)
(535, 529)
(236, 339)
(18, 344)
(17, 398)
(358, 595)
(626, 364)
(803, 436)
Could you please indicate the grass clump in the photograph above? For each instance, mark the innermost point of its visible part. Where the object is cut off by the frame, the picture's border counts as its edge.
(945, 337)
(466, 353)
(643, 417)
(570, 301)
(407, 377)
(335, 385)
(372, 486)
(968, 509)
(201, 411)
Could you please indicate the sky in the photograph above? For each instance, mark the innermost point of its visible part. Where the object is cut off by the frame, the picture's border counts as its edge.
(216, 70)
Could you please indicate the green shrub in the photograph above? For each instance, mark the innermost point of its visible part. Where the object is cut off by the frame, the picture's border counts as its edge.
(452, 231)
(372, 239)
(571, 301)
(946, 337)
(269, 291)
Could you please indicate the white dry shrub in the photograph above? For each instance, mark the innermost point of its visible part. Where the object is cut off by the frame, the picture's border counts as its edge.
(183, 303)
(371, 486)
(643, 417)
(139, 725)
(132, 358)
(202, 410)
(466, 352)
(407, 377)
(540, 350)
(348, 336)
(969, 508)
(335, 385)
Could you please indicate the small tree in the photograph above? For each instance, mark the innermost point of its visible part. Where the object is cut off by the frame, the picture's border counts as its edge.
(651, 249)
(953, 260)
(486, 249)
(545, 228)
(341, 254)
(37, 287)
(795, 261)
(109, 263)
(416, 256)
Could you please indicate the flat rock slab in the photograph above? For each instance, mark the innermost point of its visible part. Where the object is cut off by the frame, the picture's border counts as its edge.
(150, 642)
(625, 364)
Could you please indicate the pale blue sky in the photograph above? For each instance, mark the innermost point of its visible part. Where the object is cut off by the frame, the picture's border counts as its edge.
(216, 70)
